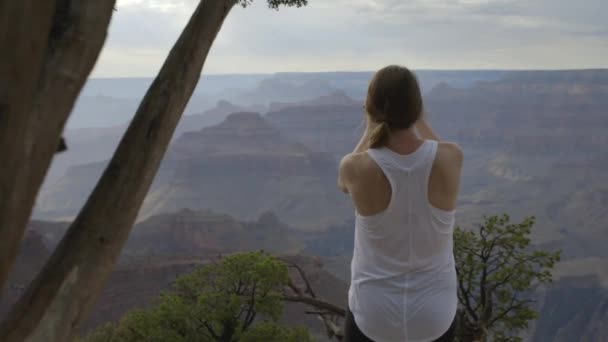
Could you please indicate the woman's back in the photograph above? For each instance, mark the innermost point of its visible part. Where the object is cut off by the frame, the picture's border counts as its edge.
(404, 184)
(403, 284)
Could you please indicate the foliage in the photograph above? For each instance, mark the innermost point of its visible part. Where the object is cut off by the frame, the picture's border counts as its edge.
(103, 333)
(65, 38)
(497, 270)
(270, 332)
(274, 4)
(236, 299)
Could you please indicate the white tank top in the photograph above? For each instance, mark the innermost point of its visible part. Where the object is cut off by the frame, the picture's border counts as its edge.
(403, 284)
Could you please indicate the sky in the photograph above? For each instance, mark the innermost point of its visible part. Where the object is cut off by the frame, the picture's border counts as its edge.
(364, 35)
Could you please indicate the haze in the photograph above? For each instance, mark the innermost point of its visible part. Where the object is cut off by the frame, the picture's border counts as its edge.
(357, 35)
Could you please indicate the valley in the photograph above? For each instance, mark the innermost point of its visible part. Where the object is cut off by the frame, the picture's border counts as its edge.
(258, 171)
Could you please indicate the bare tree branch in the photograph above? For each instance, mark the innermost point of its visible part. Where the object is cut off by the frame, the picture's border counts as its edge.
(294, 288)
(251, 310)
(317, 303)
(326, 312)
(510, 308)
(211, 331)
(333, 330)
(303, 277)
(514, 271)
(318, 312)
(467, 304)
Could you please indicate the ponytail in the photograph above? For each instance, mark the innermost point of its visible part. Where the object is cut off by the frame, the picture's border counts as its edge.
(394, 102)
(378, 137)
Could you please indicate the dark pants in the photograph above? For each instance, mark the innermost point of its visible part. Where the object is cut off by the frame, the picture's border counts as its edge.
(353, 334)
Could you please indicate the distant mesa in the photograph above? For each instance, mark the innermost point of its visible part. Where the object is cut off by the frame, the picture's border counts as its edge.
(241, 133)
(335, 98)
(331, 123)
(89, 145)
(221, 104)
(535, 144)
(168, 245)
(243, 117)
(205, 232)
(243, 166)
(550, 125)
(530, 88)
(213, 116)
(275, 89)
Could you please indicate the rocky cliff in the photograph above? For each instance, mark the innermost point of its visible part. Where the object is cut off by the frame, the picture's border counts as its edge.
(574, 309)
(243, 166)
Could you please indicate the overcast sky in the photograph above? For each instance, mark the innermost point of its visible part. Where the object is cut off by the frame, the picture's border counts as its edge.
(354, 35)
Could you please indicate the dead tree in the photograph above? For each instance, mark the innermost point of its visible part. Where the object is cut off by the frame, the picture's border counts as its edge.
(330, 314)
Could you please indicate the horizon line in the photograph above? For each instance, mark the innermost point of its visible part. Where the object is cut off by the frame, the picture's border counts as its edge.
(364, 71)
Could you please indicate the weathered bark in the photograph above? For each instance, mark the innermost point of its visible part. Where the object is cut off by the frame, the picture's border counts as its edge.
(71, 48)
(62, 294)
(78, 34)
(24, 30)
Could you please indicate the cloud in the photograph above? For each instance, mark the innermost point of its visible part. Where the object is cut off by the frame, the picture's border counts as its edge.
(365, 34)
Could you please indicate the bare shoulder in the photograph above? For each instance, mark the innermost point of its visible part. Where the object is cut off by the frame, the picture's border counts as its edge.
(444, 181)
(355, 167)
(450, 154)
(348, 171)
(347, 164)
(355, 161)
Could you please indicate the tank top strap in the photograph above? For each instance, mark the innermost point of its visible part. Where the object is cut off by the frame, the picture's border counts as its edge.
(379, 156)
(386, 163)
(429, 160)
(387, 158)
(409, 171)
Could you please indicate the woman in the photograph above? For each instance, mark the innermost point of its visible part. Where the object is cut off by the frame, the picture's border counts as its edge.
(404, 187)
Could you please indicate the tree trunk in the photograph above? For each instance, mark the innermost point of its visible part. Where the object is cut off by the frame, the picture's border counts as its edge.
(24, 30)
(59, 298)
(228, 332)
(71, 48)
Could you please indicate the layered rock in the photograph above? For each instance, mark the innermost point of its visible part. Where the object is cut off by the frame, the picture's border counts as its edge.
(243, 167)
(532, 113)
(205, 233)
(574, 309)
(333, 128)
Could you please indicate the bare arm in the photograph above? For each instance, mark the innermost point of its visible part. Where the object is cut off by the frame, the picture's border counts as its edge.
(345, 172)
(345, 168)
(444, 183)
(424, 129)
(363, 144)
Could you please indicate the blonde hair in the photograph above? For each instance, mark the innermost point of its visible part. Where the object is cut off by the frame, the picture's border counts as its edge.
(394, 101)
